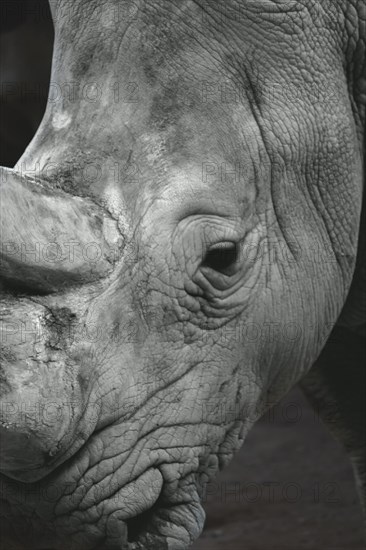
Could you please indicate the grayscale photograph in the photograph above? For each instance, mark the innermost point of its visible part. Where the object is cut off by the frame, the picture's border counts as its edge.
(182, 275)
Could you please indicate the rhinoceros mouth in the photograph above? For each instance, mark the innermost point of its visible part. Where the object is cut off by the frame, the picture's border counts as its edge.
(174, 521)
(147, 512)
(140, 524)
(172, 516)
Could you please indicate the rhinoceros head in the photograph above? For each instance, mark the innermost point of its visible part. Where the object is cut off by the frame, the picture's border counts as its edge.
(173, 258)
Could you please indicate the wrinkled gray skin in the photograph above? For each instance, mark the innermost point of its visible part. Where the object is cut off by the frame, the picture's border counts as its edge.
(127, 382)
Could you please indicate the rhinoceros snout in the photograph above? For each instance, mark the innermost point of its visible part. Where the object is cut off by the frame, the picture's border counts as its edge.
(49, 241)
(40, 398)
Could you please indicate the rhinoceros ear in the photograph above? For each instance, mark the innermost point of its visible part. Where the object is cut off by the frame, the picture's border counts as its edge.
(50, 239)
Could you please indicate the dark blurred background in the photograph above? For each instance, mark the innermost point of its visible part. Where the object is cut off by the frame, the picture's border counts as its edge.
(291, 486)
(26, 42)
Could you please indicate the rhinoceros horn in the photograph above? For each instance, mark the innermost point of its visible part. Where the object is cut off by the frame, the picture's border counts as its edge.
(50, 239)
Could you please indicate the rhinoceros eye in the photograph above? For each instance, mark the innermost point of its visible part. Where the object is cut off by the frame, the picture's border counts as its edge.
(222, 257)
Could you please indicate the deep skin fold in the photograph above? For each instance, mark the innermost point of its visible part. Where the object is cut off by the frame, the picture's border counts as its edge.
(152, 399)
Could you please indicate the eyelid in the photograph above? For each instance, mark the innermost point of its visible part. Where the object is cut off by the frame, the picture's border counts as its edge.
(223, 245)
(208, 279)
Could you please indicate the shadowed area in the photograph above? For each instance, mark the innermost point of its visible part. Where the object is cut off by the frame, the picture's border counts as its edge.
(26, 42)
(290, 486)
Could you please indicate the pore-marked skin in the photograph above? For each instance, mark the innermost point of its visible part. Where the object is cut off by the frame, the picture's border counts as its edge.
(183, 126)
